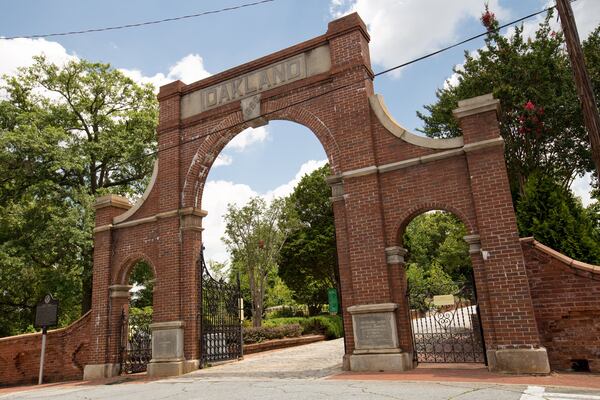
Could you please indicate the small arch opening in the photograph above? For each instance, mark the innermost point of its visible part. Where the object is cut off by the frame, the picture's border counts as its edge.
(442, 297)
(136, 335)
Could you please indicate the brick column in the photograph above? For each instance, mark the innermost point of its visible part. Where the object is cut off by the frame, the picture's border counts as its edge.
(516, 345)
(481, 287)
(102, 362)
(399, 285)
(191, 239)
(341, 242)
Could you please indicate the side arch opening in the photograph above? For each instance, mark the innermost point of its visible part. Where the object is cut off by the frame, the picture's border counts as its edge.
(441, 290)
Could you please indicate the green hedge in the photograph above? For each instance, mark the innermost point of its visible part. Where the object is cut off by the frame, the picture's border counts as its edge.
(256, 335)
(328, 325)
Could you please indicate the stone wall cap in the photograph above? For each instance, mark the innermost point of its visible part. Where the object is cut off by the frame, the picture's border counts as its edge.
(112, 200)
(472, 239)
(333, 179)
(372, 308)
(193, 211)
(167, 325)
(568, 261)
(477, 105)
(120, 288)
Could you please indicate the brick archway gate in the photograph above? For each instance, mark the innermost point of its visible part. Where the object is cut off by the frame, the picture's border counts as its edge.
(383, 175)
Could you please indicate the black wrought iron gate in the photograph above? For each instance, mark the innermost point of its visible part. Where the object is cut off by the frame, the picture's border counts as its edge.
(447, 328)
(135, 342)
(221, 325)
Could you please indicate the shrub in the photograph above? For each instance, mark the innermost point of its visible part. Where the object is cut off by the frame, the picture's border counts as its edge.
(257, 335)
(328, 325)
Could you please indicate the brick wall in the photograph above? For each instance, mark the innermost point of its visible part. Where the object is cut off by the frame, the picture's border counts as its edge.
(67, 351)
(566, 299)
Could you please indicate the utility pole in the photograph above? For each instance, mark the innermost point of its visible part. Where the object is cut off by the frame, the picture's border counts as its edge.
(583, 84)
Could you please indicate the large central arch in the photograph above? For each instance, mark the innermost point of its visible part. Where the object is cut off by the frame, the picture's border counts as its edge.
(383, 175)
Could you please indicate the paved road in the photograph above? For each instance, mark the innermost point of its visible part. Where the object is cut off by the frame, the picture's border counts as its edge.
(291, 374)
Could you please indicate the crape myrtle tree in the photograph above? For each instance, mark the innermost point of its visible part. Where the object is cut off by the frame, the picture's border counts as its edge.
(254, 235)
(67, 134)
(540, 119)
(541, 123)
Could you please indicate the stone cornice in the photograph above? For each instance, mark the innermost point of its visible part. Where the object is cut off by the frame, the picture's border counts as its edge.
(477, 105)
(182, 212)
(112, 200)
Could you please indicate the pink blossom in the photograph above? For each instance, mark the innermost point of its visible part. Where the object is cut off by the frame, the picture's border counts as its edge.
(529, 106)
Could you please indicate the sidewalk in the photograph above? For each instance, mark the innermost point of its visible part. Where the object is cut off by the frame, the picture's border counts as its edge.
(134, 378)
(477, 374)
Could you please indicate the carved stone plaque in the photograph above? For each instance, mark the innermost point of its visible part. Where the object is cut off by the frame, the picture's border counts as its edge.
(374, 326)
(374, 330)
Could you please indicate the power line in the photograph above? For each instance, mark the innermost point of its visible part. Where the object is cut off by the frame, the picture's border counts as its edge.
(239, 124)
(467, 40)
(158, 21)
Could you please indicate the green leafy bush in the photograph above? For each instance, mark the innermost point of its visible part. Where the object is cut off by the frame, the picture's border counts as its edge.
(257, 335)
(329, 325)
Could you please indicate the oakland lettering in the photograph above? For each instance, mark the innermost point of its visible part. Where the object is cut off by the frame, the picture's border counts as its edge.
(254, 82)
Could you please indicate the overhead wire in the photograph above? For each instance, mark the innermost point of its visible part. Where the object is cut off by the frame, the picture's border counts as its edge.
(245, 123)
(240, 124)
(138, 24)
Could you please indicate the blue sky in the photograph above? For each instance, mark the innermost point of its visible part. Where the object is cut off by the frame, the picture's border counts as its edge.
(269, 160)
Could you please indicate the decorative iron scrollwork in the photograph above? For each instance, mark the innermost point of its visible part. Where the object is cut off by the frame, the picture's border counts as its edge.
(220, 324)
(136, 342)
(449, 333)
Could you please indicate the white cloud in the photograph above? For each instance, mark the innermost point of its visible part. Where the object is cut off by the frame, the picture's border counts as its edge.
(189, 69)
(587, 18)
(288, 188)
(216, 196)
(241, 142)
(247, 137)
(402, 30)
(16, 53)
(582, 188)
(222, 160)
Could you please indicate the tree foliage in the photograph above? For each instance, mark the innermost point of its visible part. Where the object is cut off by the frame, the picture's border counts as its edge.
(438, 258)
(254, 235)
(67, 134)
(309, 258)
(142, 280)
(556, 218)
(541, 120)
(436, 238)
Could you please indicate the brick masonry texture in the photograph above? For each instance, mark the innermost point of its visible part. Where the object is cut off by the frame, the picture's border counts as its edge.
(67, 351)
(566, 300)
(370, 216)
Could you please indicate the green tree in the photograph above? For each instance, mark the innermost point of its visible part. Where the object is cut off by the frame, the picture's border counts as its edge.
(308, 258)
(424, 284)
(556, 218)
(254, 235)
(541, 119)
(436, 238)
(67, 134)
(142, 280)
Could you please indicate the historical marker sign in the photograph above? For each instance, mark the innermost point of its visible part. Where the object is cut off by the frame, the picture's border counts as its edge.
(46, 312)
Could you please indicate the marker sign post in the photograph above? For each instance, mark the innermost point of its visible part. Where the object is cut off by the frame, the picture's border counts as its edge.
(46, 315)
